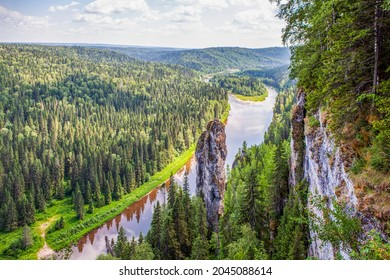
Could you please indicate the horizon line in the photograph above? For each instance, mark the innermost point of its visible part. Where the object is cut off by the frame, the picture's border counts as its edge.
(131, 46)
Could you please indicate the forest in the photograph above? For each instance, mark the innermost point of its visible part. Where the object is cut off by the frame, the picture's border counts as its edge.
(340, 60)
(242, 86)
(254, 203)
(82, 130)
(263, 218)
(212, 60)
(88, 126)
(354, 36)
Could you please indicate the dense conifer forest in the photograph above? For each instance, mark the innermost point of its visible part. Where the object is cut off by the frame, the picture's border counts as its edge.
(90, 124)
(212, 60)
(247, 86)
(340, 59)
(255, 197)
(87, 126)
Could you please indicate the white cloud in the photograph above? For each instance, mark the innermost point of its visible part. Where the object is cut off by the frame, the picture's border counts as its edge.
(64, 7)
(116, 6)
(206, 4)
(212, 4)
(253, 19)
(104, 21)
(184, 14)
(20, 21)
(186, 28)
(244, 3)
(260, 19)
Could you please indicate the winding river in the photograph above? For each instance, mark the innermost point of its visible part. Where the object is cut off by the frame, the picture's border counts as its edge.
(247, 122)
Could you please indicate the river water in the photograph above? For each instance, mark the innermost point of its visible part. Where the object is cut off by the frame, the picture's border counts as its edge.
(247, 121)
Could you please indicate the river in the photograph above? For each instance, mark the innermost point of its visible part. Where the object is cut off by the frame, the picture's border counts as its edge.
(247, 121)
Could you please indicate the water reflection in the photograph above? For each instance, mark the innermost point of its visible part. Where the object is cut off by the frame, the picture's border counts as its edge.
(247, 122)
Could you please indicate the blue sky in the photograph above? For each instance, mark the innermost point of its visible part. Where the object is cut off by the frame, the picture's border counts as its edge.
(169, 23)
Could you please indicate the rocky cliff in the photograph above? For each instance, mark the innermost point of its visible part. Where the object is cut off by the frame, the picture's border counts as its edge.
(211, 154)
(316, 158)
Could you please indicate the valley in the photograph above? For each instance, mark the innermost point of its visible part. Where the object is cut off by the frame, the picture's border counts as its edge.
(136, 218)
(116, 152)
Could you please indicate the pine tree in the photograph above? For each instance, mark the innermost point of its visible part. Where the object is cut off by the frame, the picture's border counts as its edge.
(182, 231)
(154, 235)
(140, 238)
(170, 244)
(122, 247)
(250, 207)
(27, 239)
(79, 203)
(90, 206)
(171, 192)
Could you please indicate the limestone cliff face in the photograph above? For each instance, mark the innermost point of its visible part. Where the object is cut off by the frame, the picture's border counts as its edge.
(210, 155)
(316, 158)
(325, 171)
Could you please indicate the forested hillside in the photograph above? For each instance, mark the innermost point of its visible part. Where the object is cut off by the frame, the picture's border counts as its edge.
(90, 124)
(340, 58)
(256, 193)
(318, 185)
(211, 60)
(242, 86)
(341, 61)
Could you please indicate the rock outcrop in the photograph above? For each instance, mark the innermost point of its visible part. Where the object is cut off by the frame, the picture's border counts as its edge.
(326, 174)
(316, 158)
(211, 154)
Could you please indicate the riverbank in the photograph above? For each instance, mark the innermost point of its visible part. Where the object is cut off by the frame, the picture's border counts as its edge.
(257, 98)
(247, 122)
(69, 235)
(75, 229)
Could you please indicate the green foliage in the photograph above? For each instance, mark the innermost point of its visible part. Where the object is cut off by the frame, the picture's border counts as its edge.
(27, 238)
(75, 229)
(380, 150)
(213, 60)
(336, 225)
(244, 85)
(107, 257)
(340, 58)
(275, 77)
(248, 247)
(143, 251)
(179, 228)
(291, 239)
(375, 248)
(256, 193)
(59, 224)
(23, 245)
(344, 232)
(358, 166)
(313, 122)
(170, 235)
(121, 248)
(90, 122)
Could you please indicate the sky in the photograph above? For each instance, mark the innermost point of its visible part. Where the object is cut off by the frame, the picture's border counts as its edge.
(164, 23)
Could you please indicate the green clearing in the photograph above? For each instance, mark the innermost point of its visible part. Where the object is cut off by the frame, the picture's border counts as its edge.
(257, 98)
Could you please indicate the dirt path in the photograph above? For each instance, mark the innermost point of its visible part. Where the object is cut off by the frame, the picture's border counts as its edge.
(45, 252)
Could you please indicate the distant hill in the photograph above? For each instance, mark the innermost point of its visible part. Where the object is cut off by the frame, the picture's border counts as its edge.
(212, 60)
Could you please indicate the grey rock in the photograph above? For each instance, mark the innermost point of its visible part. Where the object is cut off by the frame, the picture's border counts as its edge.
(211, 152)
